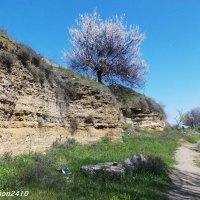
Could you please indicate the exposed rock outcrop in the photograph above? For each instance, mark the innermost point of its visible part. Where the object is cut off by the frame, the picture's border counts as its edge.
(146, 120)
(40, 104)
(140, 110)
(30, 110)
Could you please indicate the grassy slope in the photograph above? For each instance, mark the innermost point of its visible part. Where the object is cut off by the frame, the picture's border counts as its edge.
(37, 174)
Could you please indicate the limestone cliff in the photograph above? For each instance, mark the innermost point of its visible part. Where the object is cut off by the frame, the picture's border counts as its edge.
(41, 104)
(139, 110)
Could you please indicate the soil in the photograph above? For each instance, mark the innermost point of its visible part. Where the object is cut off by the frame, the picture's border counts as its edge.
(186, 175)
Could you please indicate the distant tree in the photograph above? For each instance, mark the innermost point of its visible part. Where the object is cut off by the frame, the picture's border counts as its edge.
(179, 119)
(108, 50)
(192, 118)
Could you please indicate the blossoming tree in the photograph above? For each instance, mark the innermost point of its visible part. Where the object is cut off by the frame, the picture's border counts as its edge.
(107, 49)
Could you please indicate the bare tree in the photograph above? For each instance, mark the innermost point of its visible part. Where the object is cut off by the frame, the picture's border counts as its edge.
(107, 49)
(192, 118)
(179, 119)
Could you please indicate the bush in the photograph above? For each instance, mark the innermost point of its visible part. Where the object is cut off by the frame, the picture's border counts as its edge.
(193, 138)
(105, 139)
(66, 86)
(40, 122)
(60, 92)
(26, 54)
(7, 59)
(35, 58)
(40, 171)
(23, 54)
(143, 105)
(37, 73)
(127, 126)
(88, 120)
(6, 157)
(71, 142)
(3, 32)
(155, 165)
(153, 106)
(73, 125)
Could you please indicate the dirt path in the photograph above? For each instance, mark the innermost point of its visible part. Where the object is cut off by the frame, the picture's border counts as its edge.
(185, 176)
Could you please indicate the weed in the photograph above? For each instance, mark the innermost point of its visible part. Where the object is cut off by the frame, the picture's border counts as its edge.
(26, 54)
(155, 165)
(88, 119)
(40, 122)
(73, 125)
(198, 129)
(105, 140)
(193, 138)
(3, 32)
(7, 156)
(127, 126)
(7, 59)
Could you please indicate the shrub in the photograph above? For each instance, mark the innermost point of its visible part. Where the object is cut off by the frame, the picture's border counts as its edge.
(153, 106)
(70, 144)
(71, 141)
(6, 156)
(60, 92)
(198, 129)
(73, 125)
(155, 165)
(37, 73)
(48, 73)
(40, 122)
(25, 54)
(193, 138)
(3, 32)
(35, 58)
(127, 126)
(7, 59)
(40, 171)
(105, 139)
(88, 120)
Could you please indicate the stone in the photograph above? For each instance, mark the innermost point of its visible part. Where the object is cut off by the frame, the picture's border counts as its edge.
(114, 169)
(135, 162)
(110, 169)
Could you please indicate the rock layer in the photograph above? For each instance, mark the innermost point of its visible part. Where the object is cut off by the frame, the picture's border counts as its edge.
(37, 110)
(30, 110)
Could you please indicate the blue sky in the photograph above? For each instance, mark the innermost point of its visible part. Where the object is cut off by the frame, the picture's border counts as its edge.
(171, 48)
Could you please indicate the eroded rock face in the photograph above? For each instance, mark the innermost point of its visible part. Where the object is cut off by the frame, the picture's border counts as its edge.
(30, 108)
(146, 120)
(35, 112)
(25, 102)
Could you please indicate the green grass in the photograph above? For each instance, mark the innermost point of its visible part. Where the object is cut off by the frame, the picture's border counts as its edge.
(78, 78)
(198, 163)
(36, 172)
(193, 138)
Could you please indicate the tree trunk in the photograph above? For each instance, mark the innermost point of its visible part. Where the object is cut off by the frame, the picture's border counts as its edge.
(99, 76)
